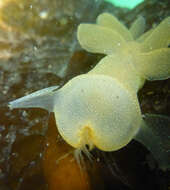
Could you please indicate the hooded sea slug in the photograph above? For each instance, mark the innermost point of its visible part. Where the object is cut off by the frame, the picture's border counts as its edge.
(100, 108)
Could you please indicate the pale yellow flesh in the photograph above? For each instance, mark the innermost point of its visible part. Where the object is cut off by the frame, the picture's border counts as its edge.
(159, 38)
(154, 65)
(98, 39)
(100, 108)
(138, 27)
(144, 35)
(149, 54)
(101, 105)
(109, 21)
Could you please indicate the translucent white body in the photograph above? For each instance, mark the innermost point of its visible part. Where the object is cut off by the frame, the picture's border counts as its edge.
(86, 114)
(100, 108)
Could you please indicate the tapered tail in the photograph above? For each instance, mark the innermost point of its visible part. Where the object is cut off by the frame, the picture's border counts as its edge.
(41, 99)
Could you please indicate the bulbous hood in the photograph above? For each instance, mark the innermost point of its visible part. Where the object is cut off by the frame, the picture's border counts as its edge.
(96, 110)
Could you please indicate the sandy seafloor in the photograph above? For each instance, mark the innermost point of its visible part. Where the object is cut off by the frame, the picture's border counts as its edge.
(38, 49)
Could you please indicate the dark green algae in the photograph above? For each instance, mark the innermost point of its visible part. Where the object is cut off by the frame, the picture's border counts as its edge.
(38, 48)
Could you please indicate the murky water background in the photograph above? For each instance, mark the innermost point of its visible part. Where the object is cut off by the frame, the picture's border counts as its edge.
(38, 49)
